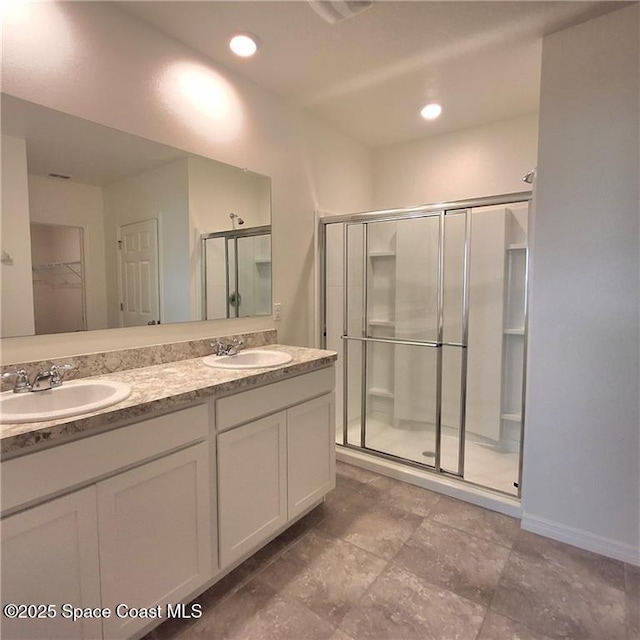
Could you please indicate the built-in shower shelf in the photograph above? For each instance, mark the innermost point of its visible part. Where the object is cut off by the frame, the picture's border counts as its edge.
(379, 392)
(516, 246)
(512, 417)
(266, 261)
(378, 322)
(514, 332)
(382, 254)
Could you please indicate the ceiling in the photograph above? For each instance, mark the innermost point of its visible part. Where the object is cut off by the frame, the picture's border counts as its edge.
(371, 74)
(87, 152)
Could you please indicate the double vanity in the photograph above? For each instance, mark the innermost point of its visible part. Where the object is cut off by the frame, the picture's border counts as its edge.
(134, 508)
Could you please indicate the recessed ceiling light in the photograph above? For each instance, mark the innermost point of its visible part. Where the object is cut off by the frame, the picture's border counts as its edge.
(244, 45)
(431, 111)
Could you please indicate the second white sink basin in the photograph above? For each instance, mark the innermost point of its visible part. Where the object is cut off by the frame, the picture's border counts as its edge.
(251, 359)
(72, 398)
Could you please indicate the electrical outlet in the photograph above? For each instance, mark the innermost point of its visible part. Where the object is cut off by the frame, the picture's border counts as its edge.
(277, 311)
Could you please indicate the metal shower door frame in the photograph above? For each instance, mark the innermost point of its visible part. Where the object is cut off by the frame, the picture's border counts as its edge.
(436, 344)
(230, 236)
(463, 207)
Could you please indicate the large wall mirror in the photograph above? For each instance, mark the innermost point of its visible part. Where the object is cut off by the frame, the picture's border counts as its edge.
(102, 229)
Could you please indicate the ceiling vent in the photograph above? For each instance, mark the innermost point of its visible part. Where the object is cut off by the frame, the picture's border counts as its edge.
(334, 11)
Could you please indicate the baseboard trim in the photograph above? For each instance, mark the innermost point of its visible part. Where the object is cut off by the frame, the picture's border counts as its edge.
(582, 539)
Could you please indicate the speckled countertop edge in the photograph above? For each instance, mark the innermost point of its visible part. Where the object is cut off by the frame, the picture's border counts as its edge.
(159, 388)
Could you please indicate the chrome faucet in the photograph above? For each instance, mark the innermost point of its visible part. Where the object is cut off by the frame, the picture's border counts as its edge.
(43, 381)
(22, 384)
(227, 348)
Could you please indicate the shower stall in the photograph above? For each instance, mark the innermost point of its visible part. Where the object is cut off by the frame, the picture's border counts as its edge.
(236, 272)
(427, 309)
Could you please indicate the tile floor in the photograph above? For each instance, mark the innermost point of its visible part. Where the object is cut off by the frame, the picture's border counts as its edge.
(382, 560)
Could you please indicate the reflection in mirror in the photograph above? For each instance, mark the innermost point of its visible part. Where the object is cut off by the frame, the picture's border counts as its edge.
(102, 229)
(237, 273)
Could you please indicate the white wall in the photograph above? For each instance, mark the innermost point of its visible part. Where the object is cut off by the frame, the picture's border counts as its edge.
(161, 194)
(216, 190)
(54, 201)
(480, 161)
(582, 448)
(139, 82)
(16, 318)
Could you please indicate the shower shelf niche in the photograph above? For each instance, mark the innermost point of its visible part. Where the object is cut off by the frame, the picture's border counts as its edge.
(514, 328)
(378, 322)
(512, 417)
(381, 393)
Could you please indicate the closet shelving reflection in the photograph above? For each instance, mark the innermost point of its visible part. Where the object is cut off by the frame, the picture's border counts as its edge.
(58, 275)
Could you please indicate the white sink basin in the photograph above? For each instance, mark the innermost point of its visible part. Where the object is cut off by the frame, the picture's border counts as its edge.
(252, 359)
(72, 398)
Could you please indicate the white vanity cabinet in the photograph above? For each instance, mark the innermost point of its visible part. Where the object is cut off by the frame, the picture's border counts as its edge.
(310, 453)
(273, 469)
(252, 475)
(155, 541)
(139, 533)
(50, 556)
(152, 513)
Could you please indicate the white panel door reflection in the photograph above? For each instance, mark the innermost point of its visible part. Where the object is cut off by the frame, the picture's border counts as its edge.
(140, 299)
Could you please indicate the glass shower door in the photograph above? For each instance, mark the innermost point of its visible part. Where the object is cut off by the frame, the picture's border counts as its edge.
(393, 332)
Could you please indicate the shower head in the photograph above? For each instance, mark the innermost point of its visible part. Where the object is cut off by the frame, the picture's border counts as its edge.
(528, 177)
(234, 217)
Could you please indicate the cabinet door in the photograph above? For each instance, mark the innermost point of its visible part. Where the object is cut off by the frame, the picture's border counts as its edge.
(252, 485)
(155, 535)
(310, 452)
(50, 556)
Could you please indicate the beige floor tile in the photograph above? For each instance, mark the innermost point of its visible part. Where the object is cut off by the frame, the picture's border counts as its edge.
(405, 496)
(257, 612)
(489, 525)
(561, 591)
(367, 522)
(633, 601)
(451, 559)
(328, 575)
(497, 627)
(402, 606)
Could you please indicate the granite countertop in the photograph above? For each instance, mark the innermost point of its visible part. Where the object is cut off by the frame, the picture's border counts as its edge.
(158, 388)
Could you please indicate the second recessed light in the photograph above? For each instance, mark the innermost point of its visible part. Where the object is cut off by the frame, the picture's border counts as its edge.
(244, 45)
(431, 111)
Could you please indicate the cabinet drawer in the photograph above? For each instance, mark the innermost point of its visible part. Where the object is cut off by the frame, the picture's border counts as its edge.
(45, 473)
(250, 405)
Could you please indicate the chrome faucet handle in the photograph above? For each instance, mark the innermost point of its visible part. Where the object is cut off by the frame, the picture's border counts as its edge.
(219, 348)
(235, 346)
(22, 384)
(58, 372)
